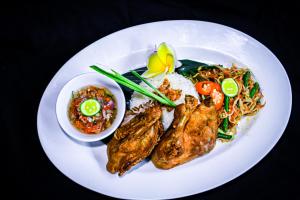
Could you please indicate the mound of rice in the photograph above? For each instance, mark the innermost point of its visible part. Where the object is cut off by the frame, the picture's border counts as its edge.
(177, 81)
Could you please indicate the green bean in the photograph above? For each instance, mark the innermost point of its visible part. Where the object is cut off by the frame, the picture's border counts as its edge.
(254, 90)
(226, 103)
(224, 136)
(225, 124)
(246, 78)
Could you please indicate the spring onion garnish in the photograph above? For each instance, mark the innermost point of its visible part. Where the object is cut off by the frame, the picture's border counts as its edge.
(132, 85)
(154, 88)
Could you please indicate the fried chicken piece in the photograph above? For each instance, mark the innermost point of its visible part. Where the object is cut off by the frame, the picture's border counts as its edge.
(135, 139)
(193, 133)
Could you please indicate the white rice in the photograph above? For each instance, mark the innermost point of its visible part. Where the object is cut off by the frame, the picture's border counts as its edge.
(177, 81)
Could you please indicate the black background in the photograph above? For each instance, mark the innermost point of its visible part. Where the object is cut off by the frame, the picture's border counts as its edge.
(37, 39)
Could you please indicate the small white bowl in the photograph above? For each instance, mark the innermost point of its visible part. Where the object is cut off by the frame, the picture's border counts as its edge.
(76, 84)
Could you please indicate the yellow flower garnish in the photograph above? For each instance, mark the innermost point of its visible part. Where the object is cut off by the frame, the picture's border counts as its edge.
(161, 61)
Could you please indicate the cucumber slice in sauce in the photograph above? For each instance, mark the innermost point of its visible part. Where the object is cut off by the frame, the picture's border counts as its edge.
(90, 107)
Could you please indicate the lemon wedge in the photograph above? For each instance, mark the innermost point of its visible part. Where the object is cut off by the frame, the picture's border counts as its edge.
(161, 61)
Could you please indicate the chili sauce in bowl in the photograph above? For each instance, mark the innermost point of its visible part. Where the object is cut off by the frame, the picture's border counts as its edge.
(90, 107)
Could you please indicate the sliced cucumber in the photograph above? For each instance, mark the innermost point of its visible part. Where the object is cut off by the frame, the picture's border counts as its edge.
(90, 107)
(229, 87)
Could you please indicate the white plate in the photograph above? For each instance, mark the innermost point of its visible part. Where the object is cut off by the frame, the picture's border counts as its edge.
(203, 41)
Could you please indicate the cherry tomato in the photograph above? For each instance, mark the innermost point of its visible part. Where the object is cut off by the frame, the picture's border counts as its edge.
(205, 87)
(218, 98)
(107, 99)
(213, 89)
(106, 107)
(217, 86)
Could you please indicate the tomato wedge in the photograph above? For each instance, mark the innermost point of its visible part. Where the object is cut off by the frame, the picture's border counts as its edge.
(205, 87)
(217, 86)
(218, 98)
(213, 89)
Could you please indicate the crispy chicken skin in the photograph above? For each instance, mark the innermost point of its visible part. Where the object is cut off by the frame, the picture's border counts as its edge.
(193, 133)
(135, 139)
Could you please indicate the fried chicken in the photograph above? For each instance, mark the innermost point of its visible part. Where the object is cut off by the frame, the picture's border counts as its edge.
(193, 133)
(135, 139)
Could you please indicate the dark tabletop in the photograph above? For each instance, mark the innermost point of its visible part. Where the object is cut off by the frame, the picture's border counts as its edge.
(37, 39)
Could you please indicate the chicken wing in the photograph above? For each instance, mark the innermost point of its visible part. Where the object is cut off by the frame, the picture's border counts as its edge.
(193, 133)
(135, 139)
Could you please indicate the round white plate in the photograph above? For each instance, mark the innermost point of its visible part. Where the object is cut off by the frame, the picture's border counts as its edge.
(85, 163)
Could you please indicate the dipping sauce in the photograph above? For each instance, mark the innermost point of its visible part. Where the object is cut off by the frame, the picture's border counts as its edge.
(92, 109)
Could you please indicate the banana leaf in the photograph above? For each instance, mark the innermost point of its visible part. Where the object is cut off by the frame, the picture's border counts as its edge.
(189, 67)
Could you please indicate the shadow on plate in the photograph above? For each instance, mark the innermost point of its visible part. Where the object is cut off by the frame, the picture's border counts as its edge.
(89, 144)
